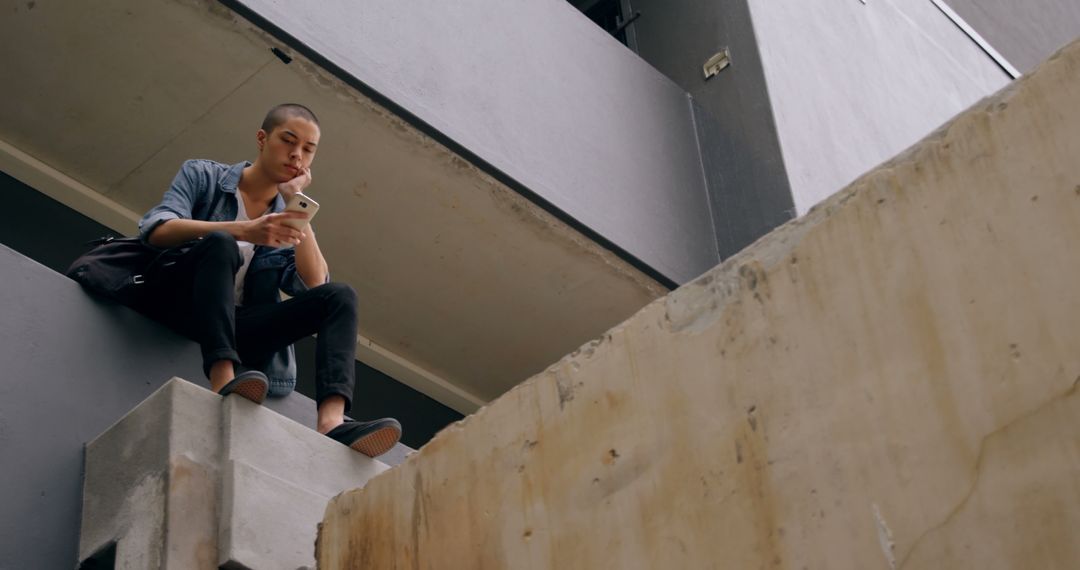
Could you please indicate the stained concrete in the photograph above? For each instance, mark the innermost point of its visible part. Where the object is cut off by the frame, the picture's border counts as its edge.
(151, 482)
(260, 518)
(888, 382)
(276, 478)
(192, 480)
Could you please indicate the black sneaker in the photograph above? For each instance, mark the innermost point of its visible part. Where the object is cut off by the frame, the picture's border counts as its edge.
(372, 438)
(251, 385)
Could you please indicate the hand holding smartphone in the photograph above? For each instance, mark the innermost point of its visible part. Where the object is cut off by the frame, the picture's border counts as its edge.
(304, 205)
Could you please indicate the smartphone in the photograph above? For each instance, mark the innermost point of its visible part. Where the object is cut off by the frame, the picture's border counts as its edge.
(303, 204)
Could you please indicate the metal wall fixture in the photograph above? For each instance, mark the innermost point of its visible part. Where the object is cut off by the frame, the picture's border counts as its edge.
(621, 24)
(716, 63)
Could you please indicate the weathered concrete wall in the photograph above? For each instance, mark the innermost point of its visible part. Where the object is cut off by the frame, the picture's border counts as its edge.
(890, 381)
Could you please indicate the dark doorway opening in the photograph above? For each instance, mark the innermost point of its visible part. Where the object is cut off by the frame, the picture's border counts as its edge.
(613, 16)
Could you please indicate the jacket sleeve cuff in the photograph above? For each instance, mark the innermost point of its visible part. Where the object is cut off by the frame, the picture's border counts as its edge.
(151, 223)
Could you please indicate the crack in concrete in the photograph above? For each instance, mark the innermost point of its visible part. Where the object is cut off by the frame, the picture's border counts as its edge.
(978, 468)
(194, 122)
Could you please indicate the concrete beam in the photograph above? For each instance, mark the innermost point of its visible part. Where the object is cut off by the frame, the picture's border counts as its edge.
(891, 381)
(150, 484)
(66, 190)
(401, 369)
(189, 479)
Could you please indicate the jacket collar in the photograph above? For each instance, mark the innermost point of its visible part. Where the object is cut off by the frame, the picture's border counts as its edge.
(231, 181)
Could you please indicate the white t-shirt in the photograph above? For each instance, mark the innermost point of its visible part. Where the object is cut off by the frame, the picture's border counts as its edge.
(247, 251)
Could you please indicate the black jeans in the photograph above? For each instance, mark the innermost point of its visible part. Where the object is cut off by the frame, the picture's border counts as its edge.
(195, 296)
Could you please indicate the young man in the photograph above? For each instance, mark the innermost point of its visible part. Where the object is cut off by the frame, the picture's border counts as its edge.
(223, 290)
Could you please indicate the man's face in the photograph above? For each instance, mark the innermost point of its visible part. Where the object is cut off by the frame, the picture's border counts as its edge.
(289, 148)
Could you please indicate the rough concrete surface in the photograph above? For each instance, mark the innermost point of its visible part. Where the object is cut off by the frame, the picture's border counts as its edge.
(278, 476)
(190, 480)
(150, 483)
(888, 382)
(260, 516)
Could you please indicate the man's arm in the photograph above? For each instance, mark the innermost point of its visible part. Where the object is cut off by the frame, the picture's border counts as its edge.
(310, 263)
(172, 233)
(178, 201)
(170, 223)
(264, 230)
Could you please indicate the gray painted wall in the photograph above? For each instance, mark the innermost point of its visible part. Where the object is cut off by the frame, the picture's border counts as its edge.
(539, 93)
(853, 84)
(73, 366)
(747, 183)
(1025, 32)
(817, 93)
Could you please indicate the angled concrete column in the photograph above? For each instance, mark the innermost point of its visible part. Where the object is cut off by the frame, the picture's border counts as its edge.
(190, 480)
(891, 382)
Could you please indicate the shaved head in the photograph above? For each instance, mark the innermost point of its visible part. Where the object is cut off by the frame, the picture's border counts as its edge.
(285, 111)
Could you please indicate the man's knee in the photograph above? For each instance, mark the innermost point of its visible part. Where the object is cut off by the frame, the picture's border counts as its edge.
(340, 293)
(221, 244)
(219, 239)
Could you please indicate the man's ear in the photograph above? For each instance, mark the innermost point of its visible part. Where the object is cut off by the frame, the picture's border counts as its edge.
(260, 139)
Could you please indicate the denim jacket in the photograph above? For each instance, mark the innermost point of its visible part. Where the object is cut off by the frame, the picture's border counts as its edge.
(191, 196)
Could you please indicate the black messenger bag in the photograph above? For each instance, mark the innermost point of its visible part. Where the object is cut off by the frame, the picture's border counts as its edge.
(117, 267)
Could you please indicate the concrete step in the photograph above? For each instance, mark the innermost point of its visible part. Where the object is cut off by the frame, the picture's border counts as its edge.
(189, 479)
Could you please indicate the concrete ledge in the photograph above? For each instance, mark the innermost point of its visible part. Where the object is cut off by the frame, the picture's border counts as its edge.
(285, 449)
(279, 477)
(188, 479)
(253, 536)
(153, 472)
